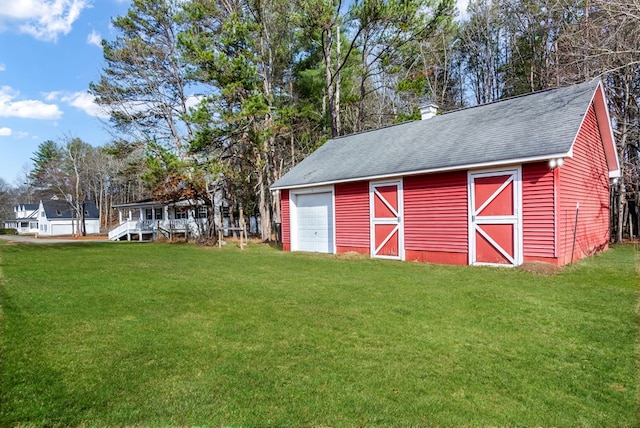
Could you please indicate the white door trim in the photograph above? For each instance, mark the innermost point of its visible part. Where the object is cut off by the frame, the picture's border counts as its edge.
(475, 222)
(293, 215)
(397, 221)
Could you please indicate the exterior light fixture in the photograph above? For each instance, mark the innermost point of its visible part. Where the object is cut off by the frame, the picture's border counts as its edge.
(556, 163)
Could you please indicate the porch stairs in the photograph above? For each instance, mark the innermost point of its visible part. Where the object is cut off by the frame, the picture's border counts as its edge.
(148, 230)
(141, 230)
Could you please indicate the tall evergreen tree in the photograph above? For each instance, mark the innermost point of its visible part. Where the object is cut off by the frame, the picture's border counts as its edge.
(47, 156)
(243, 56)
(145, 84)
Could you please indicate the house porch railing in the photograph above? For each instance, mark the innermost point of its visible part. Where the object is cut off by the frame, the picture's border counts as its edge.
(140, 227)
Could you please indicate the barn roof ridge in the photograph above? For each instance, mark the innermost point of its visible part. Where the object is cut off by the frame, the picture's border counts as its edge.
(514, 97)
(528, 127)
(364, 131)
(456, 110)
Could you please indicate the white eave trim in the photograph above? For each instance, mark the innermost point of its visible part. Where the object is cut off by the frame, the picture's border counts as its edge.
(138, 205)
(599, 103)
(157, 204)
(433, 170)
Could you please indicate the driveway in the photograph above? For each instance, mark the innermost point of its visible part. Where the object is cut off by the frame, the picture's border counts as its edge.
(52, 240)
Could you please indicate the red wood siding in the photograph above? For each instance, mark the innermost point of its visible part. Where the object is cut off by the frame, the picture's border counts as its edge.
(435, 217)
(286, 220)
(538, 211)
(584, 179)
(352, 217)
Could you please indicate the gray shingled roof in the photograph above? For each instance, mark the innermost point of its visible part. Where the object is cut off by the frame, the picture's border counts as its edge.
(541, 125)
(62, 210)
(28, 207)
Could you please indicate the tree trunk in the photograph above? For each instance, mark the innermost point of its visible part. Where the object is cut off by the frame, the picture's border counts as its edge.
(331, 83)
(265, 211)
(620, 212)
(338, 82)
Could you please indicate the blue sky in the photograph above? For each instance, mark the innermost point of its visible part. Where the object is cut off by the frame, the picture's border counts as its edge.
(49, 53)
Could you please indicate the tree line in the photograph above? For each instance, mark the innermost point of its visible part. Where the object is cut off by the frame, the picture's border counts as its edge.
(227, 95)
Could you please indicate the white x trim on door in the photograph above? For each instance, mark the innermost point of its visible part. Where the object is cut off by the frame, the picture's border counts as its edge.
(386, 220)
(495, 219)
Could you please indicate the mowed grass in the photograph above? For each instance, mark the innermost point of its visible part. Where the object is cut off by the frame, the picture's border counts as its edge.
(101, 334)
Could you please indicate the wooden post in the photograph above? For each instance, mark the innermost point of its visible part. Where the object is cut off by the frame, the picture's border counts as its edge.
(220, 227)
(575, 231)
(244, 230)
(241, 224)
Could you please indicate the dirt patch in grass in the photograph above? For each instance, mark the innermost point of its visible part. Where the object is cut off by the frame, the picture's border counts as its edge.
(351, 255)
(541, 268)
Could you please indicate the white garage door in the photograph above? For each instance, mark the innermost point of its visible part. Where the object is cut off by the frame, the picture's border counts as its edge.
(314, 215)
(61, 229)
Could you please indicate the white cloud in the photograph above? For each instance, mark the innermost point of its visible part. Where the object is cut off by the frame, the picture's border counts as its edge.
(5, 132)
(3, 67)
(43, 19)
(193, 100)
(83, 101)
(26, 109)
(51, 96)
(94, 38)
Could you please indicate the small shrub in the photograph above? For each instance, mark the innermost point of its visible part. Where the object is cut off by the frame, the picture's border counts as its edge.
(8, 231)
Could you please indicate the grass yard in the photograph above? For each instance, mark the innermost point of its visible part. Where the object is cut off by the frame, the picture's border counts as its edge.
(102, 334)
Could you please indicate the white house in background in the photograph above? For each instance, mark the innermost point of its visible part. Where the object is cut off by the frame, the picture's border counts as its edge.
(147, 219)
(54, 218)
(25, 221)
(58, 218)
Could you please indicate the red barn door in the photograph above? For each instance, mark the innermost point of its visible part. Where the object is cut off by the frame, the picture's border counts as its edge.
(494, 218)
(386, 220)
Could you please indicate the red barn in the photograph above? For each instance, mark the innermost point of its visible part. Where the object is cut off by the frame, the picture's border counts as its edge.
(522, 179)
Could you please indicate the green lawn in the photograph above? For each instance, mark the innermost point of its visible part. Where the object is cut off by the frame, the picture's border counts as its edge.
(102, 334)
